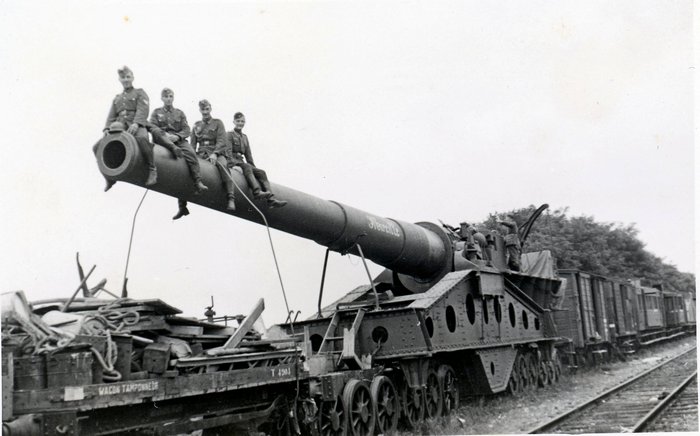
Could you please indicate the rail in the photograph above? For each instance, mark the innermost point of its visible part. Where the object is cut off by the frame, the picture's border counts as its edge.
(570, 415)
(643, 423)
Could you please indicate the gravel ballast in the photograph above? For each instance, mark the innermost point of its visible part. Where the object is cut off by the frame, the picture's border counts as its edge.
(505, 414)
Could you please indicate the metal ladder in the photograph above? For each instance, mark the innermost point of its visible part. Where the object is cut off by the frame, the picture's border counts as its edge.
(348, 352)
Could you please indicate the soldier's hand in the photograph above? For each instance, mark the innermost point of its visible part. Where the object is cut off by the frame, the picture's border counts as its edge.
(172, 137)
(133, 128)
(212, 158)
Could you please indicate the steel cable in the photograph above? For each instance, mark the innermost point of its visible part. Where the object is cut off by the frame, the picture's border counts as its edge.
(269, 236)
(131, 239)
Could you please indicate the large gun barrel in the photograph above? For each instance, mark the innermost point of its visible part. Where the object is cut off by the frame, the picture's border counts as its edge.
(421, 252)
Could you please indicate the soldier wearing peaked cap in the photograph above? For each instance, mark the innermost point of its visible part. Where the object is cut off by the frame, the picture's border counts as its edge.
(208, 137)
(243, 158)
(512, 241)
(170, 129)
(130, 108)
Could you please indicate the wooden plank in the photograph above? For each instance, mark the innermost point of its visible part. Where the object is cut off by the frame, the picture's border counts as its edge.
(209, 327)
(185, 330)
(147, 323)
(246, 324)
(87, 304)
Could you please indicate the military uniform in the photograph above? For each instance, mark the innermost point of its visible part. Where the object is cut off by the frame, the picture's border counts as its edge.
(131, 107)
(512, 241)
(475, 241)
(171, 120)
(256, 177)
(209, 137)
(243, 157)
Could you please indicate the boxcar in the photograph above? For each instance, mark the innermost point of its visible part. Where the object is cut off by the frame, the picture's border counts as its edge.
(583, 318)
(673, 308)
(689, 309)
(625, 308)
(651, 308)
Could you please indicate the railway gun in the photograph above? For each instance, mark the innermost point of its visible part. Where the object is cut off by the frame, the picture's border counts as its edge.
(446, 314)
(446, 318)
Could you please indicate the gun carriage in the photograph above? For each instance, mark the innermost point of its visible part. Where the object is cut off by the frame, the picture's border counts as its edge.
(446, 318)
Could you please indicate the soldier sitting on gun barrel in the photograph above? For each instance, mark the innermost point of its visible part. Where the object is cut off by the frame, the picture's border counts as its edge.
(243, 158)
(130, 108)
(209, 139)
(512, 241)
(169, 126)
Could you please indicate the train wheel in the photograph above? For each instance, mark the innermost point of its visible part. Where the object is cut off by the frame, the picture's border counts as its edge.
(543, 374)
(557, 366)
(360, 410)
(551, 372)
(524, 373)
(433, 395)
(514, 382)
(581, 360)
(281, 423)
(413, 405)
(331, 418)
(532, 369)
(450, 389)
(386, 405)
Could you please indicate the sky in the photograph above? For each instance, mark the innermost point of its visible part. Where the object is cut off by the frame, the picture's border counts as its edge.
(413, 110)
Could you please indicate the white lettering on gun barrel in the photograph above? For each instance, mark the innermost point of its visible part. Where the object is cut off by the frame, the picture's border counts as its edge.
(384, 227)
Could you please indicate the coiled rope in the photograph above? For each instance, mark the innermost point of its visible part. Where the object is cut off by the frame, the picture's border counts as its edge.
(109, 318)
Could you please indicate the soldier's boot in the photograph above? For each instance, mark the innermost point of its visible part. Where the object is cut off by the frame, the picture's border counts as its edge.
(152, 176)
(266, 191)
(231, 205)
(109, 184)
(181, 211)
(199, 187)
(273, 203)
(261, 195)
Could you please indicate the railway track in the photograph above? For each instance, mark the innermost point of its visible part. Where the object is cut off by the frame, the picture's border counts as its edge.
(634, 404)
(679, 413)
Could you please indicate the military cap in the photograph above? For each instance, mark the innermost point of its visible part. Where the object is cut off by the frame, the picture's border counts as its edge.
(124, 71)
(166, 91)
(237, 115)
(204, 103)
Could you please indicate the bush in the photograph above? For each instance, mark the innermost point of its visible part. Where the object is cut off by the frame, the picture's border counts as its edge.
(609, 249)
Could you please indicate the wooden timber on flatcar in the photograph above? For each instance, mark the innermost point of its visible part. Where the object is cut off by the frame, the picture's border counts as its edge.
(112, 366)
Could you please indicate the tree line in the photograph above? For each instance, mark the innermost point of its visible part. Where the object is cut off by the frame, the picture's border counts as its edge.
(609, 249)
